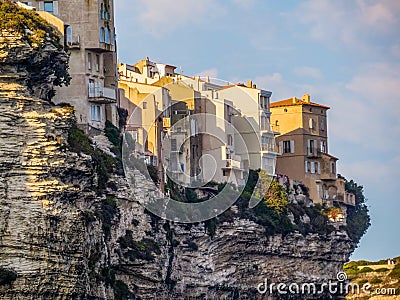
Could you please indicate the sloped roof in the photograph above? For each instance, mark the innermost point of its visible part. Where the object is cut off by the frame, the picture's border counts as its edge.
(289, 102)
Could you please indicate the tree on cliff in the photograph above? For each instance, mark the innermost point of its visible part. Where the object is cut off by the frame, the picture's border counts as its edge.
(358, 219)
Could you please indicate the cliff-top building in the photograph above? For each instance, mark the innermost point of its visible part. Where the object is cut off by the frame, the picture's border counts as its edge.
(226, 105)
(303, 147)
(89, 37)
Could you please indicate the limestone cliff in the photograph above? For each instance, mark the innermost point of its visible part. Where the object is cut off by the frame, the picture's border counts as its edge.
(67, 232)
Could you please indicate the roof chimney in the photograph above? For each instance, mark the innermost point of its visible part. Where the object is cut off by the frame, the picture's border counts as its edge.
(294, 100)
(306, 98)
(249, 83)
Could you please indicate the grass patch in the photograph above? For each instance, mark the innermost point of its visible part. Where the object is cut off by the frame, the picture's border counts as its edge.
(376, 281)
(395, 273)
(143, 249)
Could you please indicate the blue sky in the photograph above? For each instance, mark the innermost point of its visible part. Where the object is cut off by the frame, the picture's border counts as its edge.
(346, 54)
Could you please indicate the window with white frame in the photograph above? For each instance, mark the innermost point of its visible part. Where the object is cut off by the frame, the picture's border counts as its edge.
(49, 6)
(96, 113)
(323, 147)
(89, 61)
(312, 147)
(288, 146)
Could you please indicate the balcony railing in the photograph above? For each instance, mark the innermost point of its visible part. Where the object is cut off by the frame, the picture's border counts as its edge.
(268, 147)
(102, 95)
(232, 164)
(313, 152)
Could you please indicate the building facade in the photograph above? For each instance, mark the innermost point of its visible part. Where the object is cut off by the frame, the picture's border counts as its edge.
(89, 37)
(227, 128)
(303, 148)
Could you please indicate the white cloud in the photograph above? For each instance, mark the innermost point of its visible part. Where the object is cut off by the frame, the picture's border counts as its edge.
(213, 73)
(349, 23)
(308, 72)
(161, 16)
(244, 3)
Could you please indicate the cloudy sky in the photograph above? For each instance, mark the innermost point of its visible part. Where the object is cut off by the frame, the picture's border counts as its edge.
(345, 53)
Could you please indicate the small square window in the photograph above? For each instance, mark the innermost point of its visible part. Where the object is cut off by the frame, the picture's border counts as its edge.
(48, 6)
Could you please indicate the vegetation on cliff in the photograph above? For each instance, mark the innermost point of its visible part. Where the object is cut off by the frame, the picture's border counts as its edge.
(26, 23)
(22, 31)
(7, 276)
(380, 275)
(358, 219)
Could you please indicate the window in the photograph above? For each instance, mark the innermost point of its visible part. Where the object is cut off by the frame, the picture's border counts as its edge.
(92, 91)
(323, 147)
(263, 124)
(96, 113)
(307, 166)
(322, 126)
(288, 146)
(311, 124)
(101, 34)
(333, 167)
(173, 145)
(107, 35)
(69, 35)
(225, 173)
(97, 62)
(48, 6)
(144, 105)
(313, 167)
(89, 61)
(230, 139)
(312, 147)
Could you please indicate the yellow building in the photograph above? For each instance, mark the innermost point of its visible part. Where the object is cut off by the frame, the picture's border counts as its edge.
(303, 148)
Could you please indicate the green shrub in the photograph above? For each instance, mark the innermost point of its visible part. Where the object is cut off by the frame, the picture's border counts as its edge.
(7, 276)
(17, 19)
(143, 249)
(376, 281)
(395, 273)
(121, 291)
(362, 282)
(382, 270)
(104, 164)
(366, 270)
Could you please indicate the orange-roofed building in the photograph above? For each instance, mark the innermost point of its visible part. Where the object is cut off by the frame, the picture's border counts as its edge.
(303, 148)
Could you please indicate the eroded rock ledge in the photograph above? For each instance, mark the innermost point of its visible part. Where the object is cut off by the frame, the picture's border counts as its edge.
(65, 239)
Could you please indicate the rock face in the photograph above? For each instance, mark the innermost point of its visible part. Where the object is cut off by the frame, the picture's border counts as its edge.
(66, 239)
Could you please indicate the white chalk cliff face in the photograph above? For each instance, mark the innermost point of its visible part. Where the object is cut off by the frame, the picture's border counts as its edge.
(66, 238)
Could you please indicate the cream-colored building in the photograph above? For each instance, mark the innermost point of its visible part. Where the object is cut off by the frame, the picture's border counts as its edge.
(228, 124)
(89, 35)
(303, 147)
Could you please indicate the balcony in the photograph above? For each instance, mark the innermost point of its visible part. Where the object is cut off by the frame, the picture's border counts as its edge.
(232, 164)
(313, 152)
(102, 95)
(268, 148)
(346, 198)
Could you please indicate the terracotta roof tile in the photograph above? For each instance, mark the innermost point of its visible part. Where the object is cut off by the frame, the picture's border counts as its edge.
(289, 102)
